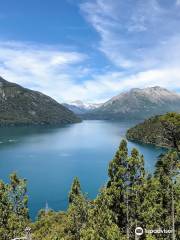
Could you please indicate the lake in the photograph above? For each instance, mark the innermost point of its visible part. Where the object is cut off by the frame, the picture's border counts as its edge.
(49, 158)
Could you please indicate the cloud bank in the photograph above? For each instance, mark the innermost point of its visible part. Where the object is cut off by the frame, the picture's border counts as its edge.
(140, 39)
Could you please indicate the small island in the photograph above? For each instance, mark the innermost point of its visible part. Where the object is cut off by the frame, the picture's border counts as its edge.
(163, 131)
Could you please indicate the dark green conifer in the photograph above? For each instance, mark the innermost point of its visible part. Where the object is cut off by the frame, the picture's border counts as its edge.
(135, 183)
(14, 217)
(167, 171)
(116, 186)
(75, 190)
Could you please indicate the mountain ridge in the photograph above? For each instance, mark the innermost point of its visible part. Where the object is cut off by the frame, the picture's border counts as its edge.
(79, 107)
(22, 106)
(137, 104)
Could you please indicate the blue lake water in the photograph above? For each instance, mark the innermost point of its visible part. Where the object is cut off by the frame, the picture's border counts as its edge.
(49, 158)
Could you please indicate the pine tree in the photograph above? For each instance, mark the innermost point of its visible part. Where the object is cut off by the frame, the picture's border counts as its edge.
(177, 206)
(101, 220)
(14, 217)
(5, 211)
(75, 190)
(18, 196)
(171, 125)
(77, 214)
(167, 170)
(116, 186)
(135, 183)
(151, 205)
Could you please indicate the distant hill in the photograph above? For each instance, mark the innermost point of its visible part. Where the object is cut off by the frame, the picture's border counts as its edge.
(161, 130)
(137, 104)
(21, 106)
(80, 108)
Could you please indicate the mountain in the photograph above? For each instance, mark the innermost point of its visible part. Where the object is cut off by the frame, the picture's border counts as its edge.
(78, 107)
(161, 130)
(21, 106)
(138, 104)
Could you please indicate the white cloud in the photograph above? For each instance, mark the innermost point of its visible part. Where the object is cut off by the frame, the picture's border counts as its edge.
(58, 73)
(131, 32)
(141, 38)
(40, 67)
(113, 83)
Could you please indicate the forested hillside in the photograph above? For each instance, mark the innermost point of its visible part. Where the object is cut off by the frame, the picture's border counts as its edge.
(131, 198)
(161, 130)
(22, 106)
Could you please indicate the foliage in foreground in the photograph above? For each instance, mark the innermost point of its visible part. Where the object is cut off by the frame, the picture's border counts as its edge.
(130, 198)
(14, 215)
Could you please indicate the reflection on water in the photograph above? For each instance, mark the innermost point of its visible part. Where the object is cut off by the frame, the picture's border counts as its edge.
(49, 158)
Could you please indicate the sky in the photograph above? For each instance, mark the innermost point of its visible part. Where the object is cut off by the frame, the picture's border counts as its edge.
(90, 50)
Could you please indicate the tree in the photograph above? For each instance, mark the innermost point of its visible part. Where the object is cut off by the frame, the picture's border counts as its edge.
(167, 170)
(101, 220)
(75, 190)
(5, 211)
(151, 205)
(135, 183)
(14, 216)
(117, 188)
(18, 196)
(49, 226)
(171, 126)
(77, 216)
(77, 213)
(127, 176)
(177, 206)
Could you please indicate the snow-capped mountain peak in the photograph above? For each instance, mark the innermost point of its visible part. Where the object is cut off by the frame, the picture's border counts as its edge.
(79, 107)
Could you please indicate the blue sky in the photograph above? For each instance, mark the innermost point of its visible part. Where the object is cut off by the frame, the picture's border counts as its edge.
(90, 49)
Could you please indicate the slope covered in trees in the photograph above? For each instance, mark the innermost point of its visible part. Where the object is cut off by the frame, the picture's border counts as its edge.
(22, 106)
(161, 130)
(131, 198)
